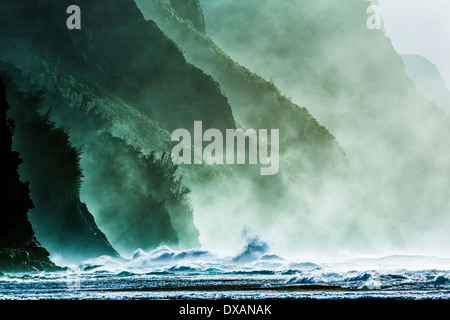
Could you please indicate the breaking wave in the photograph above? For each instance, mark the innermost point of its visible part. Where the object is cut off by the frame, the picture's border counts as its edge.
(255, 272)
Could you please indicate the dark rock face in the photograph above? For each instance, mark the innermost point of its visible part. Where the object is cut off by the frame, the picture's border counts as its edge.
(14, 228)
(30, 258)
(19, 249)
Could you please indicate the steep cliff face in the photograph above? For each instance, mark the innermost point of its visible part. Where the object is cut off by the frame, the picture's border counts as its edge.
(19, 250)
(62, 222)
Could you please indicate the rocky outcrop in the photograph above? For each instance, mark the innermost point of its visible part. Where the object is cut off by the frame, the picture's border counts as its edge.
(19, 250)
(62, 223)
(31, 257)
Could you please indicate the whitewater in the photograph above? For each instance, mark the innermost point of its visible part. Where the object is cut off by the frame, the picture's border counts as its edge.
(164, 274)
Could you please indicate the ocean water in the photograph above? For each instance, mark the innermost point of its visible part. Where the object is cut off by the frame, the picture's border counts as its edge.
(199, 274)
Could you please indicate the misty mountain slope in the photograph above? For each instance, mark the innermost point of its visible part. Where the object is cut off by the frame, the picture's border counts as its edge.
(191, 11)
(314, 183)
(126, 69)
(98, 67)
(114, 183)
(61, 221)
(19, 249)
(116, 161)
(428, 80)
(256, 103)
(323, 55)
(78, 69)
(122, 85)
(123, 54)
(156, 210)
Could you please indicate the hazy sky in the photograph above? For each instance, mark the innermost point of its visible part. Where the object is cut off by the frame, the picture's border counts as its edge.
(420, 27)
